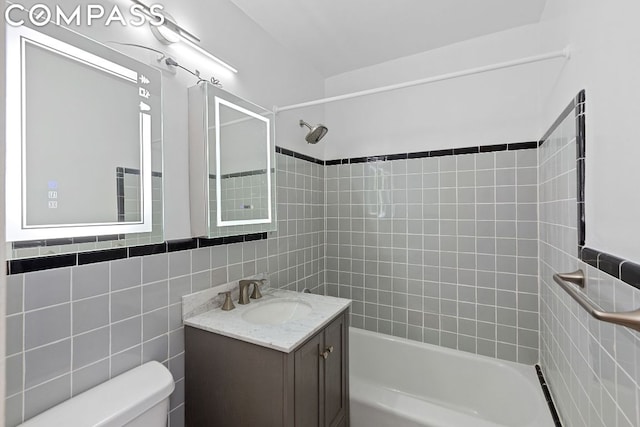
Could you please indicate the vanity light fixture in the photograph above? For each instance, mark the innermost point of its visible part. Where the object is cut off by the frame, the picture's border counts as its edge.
(170, 32)
(163, 30)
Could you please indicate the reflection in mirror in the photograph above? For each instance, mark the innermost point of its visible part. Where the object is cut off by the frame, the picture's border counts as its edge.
(236, 141)
(242, 154)
(79, 117)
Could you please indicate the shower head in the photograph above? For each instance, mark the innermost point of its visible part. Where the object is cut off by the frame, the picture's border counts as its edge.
(316, 133)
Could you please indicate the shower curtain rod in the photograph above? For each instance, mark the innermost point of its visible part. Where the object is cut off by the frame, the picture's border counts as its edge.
(564, 53)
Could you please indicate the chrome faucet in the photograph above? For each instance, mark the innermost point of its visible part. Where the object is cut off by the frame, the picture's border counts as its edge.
(244, 290)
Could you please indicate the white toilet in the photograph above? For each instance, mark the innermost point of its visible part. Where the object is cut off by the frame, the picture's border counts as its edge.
(136, 398)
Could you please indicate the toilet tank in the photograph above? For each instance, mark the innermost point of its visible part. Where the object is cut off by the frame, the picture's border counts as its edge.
(139, 397)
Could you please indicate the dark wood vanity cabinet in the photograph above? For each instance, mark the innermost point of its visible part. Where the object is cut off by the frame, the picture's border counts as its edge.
(229, 382)
(320, 378)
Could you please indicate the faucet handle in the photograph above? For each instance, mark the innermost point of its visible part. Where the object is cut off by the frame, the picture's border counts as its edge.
(256, 294)
(228, 304)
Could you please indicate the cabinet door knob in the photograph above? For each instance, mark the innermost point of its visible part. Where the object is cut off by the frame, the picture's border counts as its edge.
(326, 353)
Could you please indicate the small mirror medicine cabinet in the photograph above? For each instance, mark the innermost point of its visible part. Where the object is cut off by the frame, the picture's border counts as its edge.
(84, 142)
(231, 164)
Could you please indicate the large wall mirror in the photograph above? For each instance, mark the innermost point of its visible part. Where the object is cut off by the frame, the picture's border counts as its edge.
(84, 149)
(232, 152)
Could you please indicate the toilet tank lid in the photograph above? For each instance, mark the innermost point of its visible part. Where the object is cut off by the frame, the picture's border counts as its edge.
(112, 403)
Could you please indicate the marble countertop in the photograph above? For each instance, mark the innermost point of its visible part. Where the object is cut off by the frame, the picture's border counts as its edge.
(202, 311)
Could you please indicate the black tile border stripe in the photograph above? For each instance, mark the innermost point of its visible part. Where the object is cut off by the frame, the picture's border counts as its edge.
(120, 171)
(414, 155)
(109, 237)
(620, 268)
(466, 150)
(137, 172)
(291, 153)
(548, 398)
(523, 145)
(437, 153)
(27, 265)
(589, 256)
(630, 273)
(580, 111)
(491, 148)
(610, 264)
(101, 256)
(69, 241)
(182, 245)
(242, 174)
(145, 250)
(440, 153)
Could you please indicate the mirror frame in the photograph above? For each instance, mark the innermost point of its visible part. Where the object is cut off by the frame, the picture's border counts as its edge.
(66, 43)
(219, 221)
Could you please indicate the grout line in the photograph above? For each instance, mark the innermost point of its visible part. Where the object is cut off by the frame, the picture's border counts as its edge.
(72, 339)
(110, 264)
(50, 380)
(23, 357)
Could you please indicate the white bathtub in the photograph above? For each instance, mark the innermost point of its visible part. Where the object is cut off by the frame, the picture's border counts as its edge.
(402, 383)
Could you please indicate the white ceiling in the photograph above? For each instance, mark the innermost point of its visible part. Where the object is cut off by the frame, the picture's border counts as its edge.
(336, 36)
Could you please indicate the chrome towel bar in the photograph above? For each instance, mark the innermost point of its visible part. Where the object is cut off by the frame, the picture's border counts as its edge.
(630, 319)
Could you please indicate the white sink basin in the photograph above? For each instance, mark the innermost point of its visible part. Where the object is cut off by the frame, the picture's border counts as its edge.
(276, 312)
